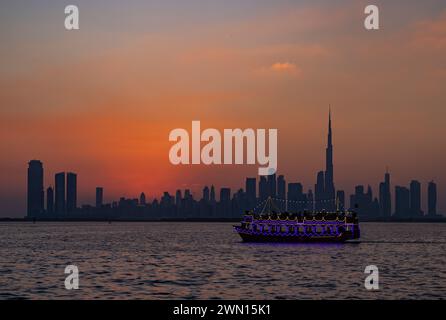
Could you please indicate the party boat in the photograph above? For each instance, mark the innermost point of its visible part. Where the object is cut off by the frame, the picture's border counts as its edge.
(275, 226)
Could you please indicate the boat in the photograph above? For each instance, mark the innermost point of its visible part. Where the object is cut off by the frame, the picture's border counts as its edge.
(276, 226)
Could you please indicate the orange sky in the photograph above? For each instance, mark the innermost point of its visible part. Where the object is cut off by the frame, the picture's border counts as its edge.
(101, 101)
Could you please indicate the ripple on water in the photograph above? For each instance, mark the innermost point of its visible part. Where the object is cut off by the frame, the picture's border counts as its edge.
(208, 261)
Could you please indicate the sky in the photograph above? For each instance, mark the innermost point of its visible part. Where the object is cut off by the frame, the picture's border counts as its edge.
(101, 101)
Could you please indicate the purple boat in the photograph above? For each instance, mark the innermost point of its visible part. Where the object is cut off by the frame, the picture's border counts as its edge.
(299, 227)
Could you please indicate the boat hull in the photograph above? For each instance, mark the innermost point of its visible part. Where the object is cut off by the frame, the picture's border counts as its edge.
(248, 237)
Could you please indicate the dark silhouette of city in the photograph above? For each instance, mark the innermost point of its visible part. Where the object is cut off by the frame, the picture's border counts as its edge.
(61, 202)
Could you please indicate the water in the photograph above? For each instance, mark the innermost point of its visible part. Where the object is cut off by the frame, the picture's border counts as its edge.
(208, 261)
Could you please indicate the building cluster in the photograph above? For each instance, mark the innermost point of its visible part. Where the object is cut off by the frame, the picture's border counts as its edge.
(61, 202)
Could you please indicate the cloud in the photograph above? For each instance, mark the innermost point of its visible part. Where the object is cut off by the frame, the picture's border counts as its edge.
(431, 34)
(285, 67)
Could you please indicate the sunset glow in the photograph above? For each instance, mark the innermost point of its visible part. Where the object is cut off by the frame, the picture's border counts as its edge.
(102, 101)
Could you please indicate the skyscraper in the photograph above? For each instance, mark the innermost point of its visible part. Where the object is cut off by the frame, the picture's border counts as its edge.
(340, 198)
(325, 194)
(310, 201)
(415, 199)
(263, 188)
(212, 195)
(251, 192)
(402, 201)
(35, 195)
(281, 192)
(432, 198)
(319, 192)
(225, 202)
(363, 202)
(206, 196)
(329, 180)
(99, 197)
(178, 198)
(60, 193)
(71, 192)
(385, 202)
(50, 201)
(142, 199)
(272, 188)
(294, 196)
(281, 187)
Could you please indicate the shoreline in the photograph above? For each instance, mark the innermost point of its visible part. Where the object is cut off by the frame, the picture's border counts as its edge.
(233, 220)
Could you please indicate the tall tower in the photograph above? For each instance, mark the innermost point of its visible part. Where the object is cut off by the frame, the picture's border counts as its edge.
(319, 192)
(251, 192)
(385, 202)
(415, 198)
(212, 195)
(71, 192)
(50, 201)
(329, 184)
(272, 185)
(432, 198)
(206, 195)
(99, 197)
(281, 192)
(142, 199)
(60, 204)
(35, 188)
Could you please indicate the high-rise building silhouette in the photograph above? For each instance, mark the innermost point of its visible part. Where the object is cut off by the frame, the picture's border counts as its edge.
(251, 192)
(272, 186)
(329, 180)
(71, 192)
(432, 198)
(294, 196)
(385, 202)
(310, 201)
(35, 194)
(212, 194)
(60, 193)
(178, 198)
(281, 192)
(263, 188)
(340, 198)
(206, 194)
(319, 192)
(239, 204)
(50, 201)
(142, 199)
(99, 197)
(402, 201)
(281, 187)
(415, 199)
(363, 202)
(225, 201)
(357, 198)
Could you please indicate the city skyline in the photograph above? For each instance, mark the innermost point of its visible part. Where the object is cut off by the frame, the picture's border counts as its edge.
(291, 197)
